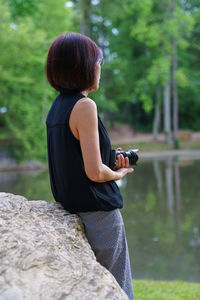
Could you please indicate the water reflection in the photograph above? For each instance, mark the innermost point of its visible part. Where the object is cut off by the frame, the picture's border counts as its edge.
(34, 185)
(161, 215)
(161, 210)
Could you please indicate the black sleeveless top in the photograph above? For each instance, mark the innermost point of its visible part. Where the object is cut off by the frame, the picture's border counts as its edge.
(69, 182)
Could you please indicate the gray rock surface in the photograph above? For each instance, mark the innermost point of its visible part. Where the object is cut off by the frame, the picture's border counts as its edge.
(44, 254)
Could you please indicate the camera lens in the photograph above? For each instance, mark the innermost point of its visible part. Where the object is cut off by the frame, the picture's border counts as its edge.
(131, 154)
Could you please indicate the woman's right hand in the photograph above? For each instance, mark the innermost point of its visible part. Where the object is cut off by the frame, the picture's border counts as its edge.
(122, 166)
(123, 171)
(121, 162)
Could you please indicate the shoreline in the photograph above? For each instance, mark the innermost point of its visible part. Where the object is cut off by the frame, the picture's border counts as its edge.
(159, 155)
(143, 156)
(21, 167)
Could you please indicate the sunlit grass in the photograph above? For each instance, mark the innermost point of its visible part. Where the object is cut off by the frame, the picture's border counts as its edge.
(144, 146)
(195, 145)
(165, 290)
(158, 146)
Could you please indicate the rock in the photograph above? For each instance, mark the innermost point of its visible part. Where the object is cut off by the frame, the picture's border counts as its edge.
(45, 254)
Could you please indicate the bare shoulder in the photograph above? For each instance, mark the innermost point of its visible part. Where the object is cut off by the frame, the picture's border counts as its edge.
(85, 106)
(84, 114)
(86, 103)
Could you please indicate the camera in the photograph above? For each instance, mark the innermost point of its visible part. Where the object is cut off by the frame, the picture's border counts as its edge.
(131, 154)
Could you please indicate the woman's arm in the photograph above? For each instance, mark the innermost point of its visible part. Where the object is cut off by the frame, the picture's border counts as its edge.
(84, 125)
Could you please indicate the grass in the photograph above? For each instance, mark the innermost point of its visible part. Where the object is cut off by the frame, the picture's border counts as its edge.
(165, 290)
(144, 146)
(158, 146)
(191, 145)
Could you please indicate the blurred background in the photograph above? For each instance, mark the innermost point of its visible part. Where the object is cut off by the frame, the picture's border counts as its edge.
(149, 98)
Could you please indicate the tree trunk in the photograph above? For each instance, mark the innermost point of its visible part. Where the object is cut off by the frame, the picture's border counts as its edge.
(156, 121)
(174, 84)
(167, 108)
(85, 12)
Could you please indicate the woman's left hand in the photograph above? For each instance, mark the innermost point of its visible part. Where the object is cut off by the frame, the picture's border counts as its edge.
(121, 162)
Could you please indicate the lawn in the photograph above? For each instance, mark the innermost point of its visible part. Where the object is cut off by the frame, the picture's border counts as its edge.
(165, 290)
(158, 146)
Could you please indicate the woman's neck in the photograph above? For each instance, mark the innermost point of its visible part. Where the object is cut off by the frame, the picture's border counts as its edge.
(85, 93)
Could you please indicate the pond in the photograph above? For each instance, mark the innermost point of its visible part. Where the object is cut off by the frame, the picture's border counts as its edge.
(161, 215)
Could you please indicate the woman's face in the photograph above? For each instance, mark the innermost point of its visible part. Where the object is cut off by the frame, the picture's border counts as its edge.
(98, 74)
(97, 78)
(95, 85)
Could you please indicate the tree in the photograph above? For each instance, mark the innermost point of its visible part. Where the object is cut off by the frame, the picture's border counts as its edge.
(25, 92)
(85, 15)
(174, 82)
(144, 55)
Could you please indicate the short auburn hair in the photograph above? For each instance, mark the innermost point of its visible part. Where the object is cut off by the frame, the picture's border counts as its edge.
(71, 62)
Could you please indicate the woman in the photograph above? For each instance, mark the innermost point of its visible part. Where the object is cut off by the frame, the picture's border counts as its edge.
(79, 153)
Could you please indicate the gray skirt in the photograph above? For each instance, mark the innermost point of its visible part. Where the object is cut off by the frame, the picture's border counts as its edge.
(106, 234)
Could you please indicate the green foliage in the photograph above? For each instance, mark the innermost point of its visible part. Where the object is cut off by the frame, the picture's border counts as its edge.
(22, 8)
(176, 143)
(140, 53)
(136, 41)
(24, 90)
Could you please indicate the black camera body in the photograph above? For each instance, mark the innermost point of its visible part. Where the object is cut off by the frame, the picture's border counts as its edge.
(131, 154)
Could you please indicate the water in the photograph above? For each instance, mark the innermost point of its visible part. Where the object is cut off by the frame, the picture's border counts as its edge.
(161, 215)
